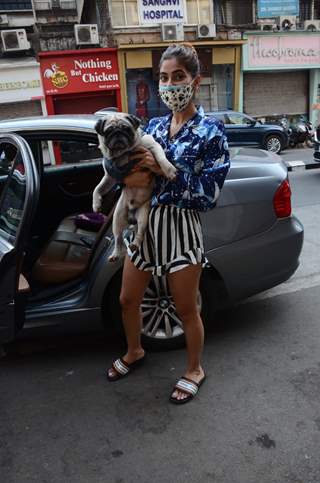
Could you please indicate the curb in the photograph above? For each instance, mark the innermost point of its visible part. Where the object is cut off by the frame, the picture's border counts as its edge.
(298, 165)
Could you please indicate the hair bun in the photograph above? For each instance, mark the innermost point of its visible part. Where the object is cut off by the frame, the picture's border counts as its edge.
(189, 46)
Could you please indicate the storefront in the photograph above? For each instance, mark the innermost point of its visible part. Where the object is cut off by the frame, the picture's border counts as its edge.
(21, 92)
(280, 75)
(80, 81)
(139, 70)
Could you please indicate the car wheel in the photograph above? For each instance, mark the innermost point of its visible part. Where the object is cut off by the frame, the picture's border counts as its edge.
(161, 327)
(273, 144)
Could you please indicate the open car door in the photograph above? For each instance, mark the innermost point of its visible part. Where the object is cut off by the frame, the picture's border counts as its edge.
(18, 201)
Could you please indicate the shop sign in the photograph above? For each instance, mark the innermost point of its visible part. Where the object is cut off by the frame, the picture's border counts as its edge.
(282, 51)
(12, 86)
(79, 72)
(20, 82)
(276, 8)
(161, 11)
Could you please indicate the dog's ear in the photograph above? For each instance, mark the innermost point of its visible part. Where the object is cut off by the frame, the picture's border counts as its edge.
(99, 126)
(134, 120)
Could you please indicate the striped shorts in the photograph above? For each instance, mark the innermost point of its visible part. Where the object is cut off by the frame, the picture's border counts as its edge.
(173, 240)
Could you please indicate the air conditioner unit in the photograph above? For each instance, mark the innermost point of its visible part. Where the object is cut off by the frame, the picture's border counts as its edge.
(172, 31)
(4, 19)
(206, 30)
(86, 34)
(14, 40)
(311, 25)
(288, 22)
(268, 25)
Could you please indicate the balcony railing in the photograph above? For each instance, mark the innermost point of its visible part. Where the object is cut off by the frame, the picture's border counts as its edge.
(49, 5)
(42, 4)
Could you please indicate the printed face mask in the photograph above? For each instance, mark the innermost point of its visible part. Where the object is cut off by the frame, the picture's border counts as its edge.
(176, 98)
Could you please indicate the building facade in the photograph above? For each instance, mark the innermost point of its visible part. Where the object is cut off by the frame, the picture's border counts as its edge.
(231, 37)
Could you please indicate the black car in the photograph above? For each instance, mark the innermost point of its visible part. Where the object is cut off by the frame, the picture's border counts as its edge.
(243, 130)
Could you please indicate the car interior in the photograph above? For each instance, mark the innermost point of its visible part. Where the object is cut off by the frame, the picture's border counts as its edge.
(60, 245)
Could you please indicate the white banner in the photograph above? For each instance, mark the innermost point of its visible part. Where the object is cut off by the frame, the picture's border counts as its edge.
(161, 11)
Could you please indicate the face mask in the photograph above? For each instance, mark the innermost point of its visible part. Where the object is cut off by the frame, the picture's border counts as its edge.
(176, 98)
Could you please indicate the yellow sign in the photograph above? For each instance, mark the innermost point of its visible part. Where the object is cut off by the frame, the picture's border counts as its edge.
(12, 86)
(59, 79)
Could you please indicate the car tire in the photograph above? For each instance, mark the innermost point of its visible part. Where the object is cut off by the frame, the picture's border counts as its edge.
(273, 144)
(162, 328)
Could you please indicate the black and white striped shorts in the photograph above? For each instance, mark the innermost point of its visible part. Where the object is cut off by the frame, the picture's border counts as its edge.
(173, 240)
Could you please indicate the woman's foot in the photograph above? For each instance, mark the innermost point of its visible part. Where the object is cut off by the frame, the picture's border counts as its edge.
(197, 377)
(129, 359)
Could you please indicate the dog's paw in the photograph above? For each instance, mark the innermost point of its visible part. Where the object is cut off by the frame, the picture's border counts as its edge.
(170, 172)
(113, 258)
(97, 203)
(133, 247)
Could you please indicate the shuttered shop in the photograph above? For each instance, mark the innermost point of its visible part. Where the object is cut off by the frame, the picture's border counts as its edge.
(20, 109)
(266, 94)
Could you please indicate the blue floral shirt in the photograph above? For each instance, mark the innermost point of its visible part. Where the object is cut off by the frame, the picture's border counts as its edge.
(200, 153)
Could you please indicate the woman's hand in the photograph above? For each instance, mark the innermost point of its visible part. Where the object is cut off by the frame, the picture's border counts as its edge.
(138, 179)
(145, 160)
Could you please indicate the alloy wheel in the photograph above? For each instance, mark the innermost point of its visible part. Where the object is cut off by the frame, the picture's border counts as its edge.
(274, 144)
(159, 318)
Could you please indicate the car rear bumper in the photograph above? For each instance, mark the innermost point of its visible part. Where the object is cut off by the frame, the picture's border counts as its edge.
(316, 153)
(258, 263)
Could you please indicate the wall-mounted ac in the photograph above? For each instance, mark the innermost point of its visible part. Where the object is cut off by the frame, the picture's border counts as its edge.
(287, 22)
(172, 31)
(206, 31)
(14, 40)
(268, 25)
(86, 34)
(3, 19)
(311, 25)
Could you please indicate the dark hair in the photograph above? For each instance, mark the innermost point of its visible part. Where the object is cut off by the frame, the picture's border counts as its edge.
(185, 54)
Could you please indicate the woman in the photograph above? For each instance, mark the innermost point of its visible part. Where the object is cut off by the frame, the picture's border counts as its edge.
(173, 243)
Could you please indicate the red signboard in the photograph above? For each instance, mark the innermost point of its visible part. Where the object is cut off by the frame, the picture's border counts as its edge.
(79, 71)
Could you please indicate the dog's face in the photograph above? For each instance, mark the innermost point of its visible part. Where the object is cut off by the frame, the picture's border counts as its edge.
(117, 133)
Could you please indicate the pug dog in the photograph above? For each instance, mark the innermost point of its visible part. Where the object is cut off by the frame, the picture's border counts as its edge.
(119, 134)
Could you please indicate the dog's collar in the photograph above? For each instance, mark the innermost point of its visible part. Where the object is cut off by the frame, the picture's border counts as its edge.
(118, 172)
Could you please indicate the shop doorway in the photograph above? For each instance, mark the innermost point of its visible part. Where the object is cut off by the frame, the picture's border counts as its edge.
(88, 104)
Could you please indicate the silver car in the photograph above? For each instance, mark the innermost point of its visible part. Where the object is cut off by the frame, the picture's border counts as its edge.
(54, 272)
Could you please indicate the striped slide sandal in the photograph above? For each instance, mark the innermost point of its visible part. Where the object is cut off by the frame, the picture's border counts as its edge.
(188, 387)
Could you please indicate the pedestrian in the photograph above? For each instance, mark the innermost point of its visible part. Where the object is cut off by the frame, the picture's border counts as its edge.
(173, 242)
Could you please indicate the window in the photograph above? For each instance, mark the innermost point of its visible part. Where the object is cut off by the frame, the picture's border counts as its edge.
(14, 194)
(124, 13)
(15, 5)
(306, 10)
(71, 151)
(238, 119)
(233, 12)
(198, 11)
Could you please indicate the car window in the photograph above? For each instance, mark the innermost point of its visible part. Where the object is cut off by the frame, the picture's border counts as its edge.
(71, 151)
(14, 194)
(239, 119)
(7, 154)
(220, 117)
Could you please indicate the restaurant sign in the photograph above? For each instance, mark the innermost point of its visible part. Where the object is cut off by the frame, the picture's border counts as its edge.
(79, 71)
(161, 11)
(282, 51)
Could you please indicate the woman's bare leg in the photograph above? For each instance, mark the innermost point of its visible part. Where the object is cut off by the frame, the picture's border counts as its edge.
(184, 286)
(134, 284)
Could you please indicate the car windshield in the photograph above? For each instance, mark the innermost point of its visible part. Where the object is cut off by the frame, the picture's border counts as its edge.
(14, 193)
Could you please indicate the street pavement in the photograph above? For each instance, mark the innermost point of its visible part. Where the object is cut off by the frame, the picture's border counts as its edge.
(255, 420)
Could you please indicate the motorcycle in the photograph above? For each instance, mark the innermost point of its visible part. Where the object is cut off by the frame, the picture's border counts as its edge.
(302, 132)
